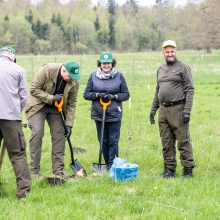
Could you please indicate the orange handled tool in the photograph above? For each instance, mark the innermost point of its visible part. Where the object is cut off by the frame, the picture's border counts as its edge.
(77, 168)
(99, 167)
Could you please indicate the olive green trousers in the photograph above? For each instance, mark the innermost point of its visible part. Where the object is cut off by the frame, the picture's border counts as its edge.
(36, 124)
(14, 141)
(172, 129)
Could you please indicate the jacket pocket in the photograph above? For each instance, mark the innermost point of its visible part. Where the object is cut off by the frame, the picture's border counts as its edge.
(114, 111)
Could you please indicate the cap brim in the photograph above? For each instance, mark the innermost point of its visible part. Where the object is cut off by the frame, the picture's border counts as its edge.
(106, 61)
(169, 46)
(74, 76)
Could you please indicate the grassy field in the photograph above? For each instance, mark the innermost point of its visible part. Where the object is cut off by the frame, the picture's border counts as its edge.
(149, 196)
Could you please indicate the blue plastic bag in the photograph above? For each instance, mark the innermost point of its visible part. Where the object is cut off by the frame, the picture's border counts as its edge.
(120, 170)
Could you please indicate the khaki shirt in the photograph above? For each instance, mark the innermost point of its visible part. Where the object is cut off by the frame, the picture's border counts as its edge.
(43, 86)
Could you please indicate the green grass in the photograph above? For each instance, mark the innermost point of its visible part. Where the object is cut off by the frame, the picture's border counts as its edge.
(149, 196)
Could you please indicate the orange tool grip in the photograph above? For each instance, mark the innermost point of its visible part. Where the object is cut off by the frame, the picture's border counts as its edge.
(104, 104)
(59, 105)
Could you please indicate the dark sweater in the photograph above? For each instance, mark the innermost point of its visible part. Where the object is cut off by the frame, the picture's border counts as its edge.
(174, 83)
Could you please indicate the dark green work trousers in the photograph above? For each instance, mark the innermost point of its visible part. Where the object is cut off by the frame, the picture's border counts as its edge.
(14, 140)
(36, 124)
(172, 129)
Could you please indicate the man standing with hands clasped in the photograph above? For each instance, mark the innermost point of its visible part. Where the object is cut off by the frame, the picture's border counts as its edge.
(51, 83)
(174, 97)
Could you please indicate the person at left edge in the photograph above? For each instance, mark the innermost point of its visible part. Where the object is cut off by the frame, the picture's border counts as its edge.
(52, 82)
(13, 97)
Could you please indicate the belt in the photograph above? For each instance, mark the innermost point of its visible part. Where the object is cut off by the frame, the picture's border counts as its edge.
(168, 104)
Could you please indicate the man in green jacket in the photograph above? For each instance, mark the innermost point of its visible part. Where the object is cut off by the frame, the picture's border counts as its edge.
(174, 98)
(51, 83)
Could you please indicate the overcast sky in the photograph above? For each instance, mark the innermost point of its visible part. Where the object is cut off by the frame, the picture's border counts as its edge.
(143, 2)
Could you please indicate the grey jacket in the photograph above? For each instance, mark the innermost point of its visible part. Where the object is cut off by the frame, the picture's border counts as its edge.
(13, 89)
(116, 85)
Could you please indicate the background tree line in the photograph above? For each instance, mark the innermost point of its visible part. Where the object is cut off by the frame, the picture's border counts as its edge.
(79, 27)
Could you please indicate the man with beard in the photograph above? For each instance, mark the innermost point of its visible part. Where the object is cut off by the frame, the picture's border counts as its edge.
(174, 97)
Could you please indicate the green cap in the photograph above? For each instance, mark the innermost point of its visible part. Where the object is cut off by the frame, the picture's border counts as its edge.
(106, 57)
(8, 48)
(73, 68)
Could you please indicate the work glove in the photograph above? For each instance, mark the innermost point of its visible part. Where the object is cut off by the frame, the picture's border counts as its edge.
(100, 95)
(185, 117)
(110, 97)
(68, 131)
(152, 121)
(57, 97)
